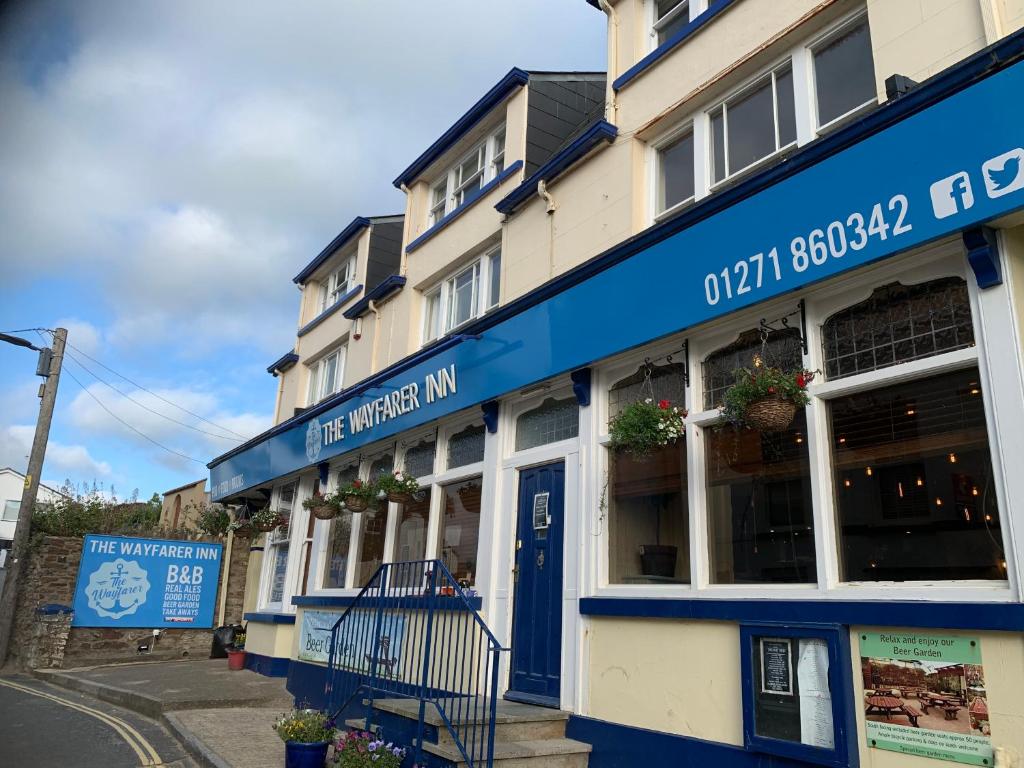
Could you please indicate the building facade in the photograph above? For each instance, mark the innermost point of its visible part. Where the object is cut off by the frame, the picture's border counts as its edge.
(824, 186)
(12, 485)
(182, 506)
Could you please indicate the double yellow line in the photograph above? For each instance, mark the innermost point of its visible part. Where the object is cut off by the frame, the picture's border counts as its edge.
(147, 755)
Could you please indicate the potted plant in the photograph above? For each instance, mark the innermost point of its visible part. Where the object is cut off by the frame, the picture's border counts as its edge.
(307, 733)
(236, 653)
(323, 507)
(398, 487)
(357, 495)
(359, 749)
(644, 426)
(766, 398)
(266, 519)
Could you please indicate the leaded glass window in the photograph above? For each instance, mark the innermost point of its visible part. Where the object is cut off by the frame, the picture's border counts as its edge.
(347, 474)
(896, 324)
(466, 447)
(782, 349)
(667, 383)
(382, 465)
(551, 421)
(419, 459)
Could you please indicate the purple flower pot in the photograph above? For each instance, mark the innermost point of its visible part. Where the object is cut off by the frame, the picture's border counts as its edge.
(303, 754)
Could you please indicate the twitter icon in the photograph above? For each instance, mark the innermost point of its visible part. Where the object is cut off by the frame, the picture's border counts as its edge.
(1004, 174)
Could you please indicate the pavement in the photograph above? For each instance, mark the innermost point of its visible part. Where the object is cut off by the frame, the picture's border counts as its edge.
(222, 718)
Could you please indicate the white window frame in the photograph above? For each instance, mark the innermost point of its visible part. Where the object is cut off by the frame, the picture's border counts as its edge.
(440, 477)
(491, 157)
(931, 262)
(607, 376)
(755, 84)
(16, 505)
(655, 25)
(657, 146)
(822, 41)
(270, 545)
(317, 390)
(444, 292)
(332, 288)
(800, 57)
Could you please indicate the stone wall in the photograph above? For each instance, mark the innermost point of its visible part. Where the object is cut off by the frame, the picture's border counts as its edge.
(42, 639)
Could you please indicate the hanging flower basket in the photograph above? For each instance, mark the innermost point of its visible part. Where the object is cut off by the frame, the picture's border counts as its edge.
(766, 399)
(643, 427)
(322, 507)
(357, 495)
(266, 520)
(242, 529)
(398, 487)
(770, 414)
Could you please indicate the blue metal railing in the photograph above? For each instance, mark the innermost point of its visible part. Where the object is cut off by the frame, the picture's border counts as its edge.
(412, 632)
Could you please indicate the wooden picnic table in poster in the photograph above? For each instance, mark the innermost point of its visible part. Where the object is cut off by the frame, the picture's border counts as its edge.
(887, 705)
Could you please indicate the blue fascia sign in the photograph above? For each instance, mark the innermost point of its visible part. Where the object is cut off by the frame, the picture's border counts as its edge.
(128, 582)
(946, 168)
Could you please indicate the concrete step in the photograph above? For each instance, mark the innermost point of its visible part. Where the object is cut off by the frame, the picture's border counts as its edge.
(472, 711)
(508, 732)
(543, 753)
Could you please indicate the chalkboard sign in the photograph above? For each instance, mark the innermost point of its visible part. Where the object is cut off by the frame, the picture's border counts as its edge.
(777, 666)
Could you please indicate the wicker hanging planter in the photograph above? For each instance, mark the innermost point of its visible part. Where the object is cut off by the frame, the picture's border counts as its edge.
(324, 511)
(770, 414)
(398, 497)
(244, 531)
(356, 503)
(268, 526)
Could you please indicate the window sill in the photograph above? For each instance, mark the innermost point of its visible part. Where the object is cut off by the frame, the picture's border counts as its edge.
(267, 617)
(410, 601)
(882, 611)
(680, 37)
(456, 213)
(329, 311)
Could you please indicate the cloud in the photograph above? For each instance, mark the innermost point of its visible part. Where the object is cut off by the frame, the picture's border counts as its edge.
(100, 411)
(85, 336)
(63, 461)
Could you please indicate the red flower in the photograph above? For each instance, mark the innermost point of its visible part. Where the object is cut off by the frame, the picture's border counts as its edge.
(801, 380)
(357, 483)
(771, 390)
(664, 404)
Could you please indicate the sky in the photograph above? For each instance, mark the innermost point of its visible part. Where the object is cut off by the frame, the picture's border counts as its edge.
(166, 168)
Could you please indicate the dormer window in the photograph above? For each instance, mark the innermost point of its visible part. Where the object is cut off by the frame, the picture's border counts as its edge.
(462, 182)
(338, 283)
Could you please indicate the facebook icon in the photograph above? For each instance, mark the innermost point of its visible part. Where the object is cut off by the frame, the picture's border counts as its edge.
(952, 195)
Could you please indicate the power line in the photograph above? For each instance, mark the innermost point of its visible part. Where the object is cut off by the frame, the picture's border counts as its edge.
(154, 394)
(145, 407)
(133, 429)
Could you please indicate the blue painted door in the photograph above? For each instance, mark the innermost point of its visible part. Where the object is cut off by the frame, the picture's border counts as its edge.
(537, 611)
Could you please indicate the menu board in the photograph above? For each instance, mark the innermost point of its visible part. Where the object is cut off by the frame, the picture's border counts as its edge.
(793, 705)
(777, 666)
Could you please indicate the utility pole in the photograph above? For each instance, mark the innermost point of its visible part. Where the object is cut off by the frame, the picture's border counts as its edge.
(16, 560)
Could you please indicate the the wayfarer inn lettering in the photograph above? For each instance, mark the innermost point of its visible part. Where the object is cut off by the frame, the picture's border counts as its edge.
(436, 386)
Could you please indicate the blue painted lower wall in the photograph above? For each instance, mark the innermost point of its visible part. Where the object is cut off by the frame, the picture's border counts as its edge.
(267, 665)
(623, 746)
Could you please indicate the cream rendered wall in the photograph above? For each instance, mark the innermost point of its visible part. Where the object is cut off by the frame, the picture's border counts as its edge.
(715, 51)
(1012, 15)
(289, 386)
(269, 639)
(401, 322)
(919, 39)
(1013, 245)
(1002, 656)
(679, 677)
(593, 213)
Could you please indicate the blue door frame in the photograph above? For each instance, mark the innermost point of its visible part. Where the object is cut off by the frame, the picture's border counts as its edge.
(536, 666)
